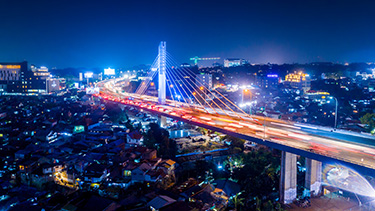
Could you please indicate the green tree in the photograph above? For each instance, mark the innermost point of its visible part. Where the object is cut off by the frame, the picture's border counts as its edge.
(115, 113)
(268, 206)
(369, 119)
(258, 204)
(238, 202)
(236, 142)
(69, 80)
(259, 174)
(158, 138)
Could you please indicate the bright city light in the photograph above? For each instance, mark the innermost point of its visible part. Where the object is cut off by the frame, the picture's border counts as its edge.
(89, 74)
(342, 177)
(109, 71)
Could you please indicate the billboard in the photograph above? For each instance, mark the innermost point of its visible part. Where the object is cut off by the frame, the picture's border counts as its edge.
(92, 90)
(53, 85)
(109, 71)
(89, 75)
(78, 129)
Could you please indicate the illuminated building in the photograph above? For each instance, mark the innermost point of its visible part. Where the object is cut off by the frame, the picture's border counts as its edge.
(205, 79)
(234, 62)
(35, 81)
(317, 96)
(298, 81)
(10, 76)
(15, 78)
(267, 81)
(109, 71)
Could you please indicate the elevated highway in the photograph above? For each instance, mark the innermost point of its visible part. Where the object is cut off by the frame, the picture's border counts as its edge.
(355, 150)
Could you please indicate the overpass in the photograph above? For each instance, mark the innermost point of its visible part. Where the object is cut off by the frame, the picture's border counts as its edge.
(198, 108)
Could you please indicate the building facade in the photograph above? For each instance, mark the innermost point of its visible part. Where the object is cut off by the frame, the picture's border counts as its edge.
(204, 79)
(234, 62)
(301, 81)
(10, 76)
(16, 78)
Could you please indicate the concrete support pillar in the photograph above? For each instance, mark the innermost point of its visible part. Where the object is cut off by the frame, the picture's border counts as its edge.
(288, 177)
(162, 121)
(313, 178)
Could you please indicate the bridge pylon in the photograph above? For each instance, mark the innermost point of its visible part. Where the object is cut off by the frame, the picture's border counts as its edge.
(162, 65)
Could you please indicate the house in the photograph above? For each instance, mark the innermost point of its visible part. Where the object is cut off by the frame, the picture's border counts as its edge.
(47, 168)
(95, 173)
(228, 186)
(146, 153)
(159, 202)
(25, 168)
(154, 175)
(138, 174)
(21, 154)
(168, 166)
(135, 138)
(38, 178)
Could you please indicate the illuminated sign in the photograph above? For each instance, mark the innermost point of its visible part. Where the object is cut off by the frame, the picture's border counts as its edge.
(109, 71)
(272, 76)
(78, 129)
(296, 77)
(89, 75)
(319, 93)
(92, 90)
(10, 66)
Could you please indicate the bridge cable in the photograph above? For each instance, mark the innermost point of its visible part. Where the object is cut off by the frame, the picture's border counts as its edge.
(193, 74)
(151, 74)
(208, 97)
(197, 92)
(174, 89)
(182, 87)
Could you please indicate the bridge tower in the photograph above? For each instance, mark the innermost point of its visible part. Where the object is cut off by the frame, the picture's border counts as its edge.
(162, 65)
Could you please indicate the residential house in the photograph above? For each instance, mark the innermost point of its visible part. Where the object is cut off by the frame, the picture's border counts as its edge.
(159, 202)
(135, 138)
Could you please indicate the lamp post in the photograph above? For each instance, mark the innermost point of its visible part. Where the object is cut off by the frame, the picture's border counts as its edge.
(336, 114)
(264, 121)
(243, 94)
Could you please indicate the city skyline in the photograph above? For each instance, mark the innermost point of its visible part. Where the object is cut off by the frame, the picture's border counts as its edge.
(187, 105)
(122, 34)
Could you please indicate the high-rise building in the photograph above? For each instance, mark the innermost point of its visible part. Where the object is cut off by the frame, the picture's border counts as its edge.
(10, 76)
(204, 79)
(35, 81)
(268, 81)
(15, 78)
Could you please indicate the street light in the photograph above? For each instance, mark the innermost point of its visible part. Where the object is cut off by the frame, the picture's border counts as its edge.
(246, 91)
(336, 114)
(250, 104)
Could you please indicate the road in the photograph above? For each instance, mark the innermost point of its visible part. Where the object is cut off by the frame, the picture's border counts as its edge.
(352, 148)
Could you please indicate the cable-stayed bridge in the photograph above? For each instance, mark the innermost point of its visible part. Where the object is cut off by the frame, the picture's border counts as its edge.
(182, 97)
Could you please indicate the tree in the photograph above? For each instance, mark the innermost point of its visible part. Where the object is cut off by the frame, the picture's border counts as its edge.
(369, 119)
(258, 203)
(236, 142)
(69, 80)
(238, 202)
(158, 138)
(115, 113)
(259, 175)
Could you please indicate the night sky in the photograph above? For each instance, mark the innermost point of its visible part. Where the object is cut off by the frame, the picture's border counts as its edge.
(65, 33)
